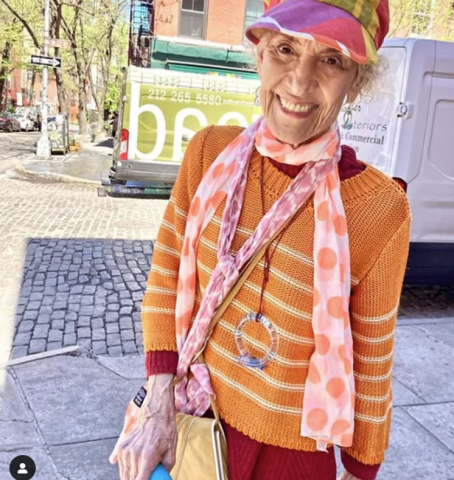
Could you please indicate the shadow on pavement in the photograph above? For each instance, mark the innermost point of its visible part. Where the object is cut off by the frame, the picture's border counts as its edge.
(108, 142)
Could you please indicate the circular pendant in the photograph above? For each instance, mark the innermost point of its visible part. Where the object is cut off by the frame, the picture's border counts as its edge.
(246, 358)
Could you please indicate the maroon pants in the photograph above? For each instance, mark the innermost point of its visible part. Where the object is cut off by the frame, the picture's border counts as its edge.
(251, 460)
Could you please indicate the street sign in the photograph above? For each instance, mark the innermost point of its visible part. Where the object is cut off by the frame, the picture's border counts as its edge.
(47, 61)
(59, 43)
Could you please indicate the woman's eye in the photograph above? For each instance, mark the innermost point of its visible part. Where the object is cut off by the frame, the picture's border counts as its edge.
(284, 49)
(333, 61)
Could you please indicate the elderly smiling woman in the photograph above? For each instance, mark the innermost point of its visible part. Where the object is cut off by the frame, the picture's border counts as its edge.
(301, 359)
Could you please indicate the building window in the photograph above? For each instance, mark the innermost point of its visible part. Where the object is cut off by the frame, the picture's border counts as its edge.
(254, 10)
(423, 18)
(192, 21)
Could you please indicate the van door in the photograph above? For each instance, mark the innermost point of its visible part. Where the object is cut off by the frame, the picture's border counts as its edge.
(432, 192)
(425, 147)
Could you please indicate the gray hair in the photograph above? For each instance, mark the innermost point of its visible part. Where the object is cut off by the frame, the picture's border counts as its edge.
(372, 76)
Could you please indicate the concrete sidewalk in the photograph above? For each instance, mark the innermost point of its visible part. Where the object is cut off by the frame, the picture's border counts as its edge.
(86, 165)
(66, 411)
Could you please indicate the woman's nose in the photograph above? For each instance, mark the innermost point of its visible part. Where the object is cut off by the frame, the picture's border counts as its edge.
(302, 79)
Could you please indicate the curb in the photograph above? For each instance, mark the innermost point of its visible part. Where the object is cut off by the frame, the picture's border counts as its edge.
(409, 322)
(21, 173)
(74, 351)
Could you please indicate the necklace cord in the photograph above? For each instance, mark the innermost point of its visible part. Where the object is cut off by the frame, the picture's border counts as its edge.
(268, 257)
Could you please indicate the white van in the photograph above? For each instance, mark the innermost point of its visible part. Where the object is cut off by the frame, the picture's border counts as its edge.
(407, 132)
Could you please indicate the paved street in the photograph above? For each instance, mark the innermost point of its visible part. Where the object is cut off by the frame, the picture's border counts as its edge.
(75, 269)
(87, 164)
(15, 145)
(18, 150)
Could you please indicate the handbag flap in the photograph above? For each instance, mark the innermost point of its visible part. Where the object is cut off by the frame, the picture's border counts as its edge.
(201, 449)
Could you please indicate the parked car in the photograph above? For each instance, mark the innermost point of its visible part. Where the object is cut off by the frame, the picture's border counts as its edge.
(30, 112)
(8, 123)
(26, 123)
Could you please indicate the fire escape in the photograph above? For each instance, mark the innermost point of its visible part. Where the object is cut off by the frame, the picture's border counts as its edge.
(141, 32)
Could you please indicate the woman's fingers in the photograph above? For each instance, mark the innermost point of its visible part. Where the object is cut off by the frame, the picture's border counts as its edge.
(144, 459)
(146, 468)
(145, 446)
(122, 462)
(168, 459)
(121, 469)
(127, 461)
(124, 471)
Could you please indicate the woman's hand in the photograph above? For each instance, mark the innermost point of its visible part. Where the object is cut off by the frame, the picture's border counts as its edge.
(347, 476)
(155, 440)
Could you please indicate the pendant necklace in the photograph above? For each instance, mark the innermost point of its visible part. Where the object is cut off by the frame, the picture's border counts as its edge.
(245, 357)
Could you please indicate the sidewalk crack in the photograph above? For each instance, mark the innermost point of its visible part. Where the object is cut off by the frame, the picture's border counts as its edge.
(423, 400)
(110, 370)
(427, 430)
(23, 396)
(16, 421)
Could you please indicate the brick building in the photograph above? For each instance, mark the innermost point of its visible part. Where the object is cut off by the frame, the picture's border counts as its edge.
(218, 21)
(202, 35)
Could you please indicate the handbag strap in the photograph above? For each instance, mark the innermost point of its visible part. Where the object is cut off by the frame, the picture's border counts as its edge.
(247, 270)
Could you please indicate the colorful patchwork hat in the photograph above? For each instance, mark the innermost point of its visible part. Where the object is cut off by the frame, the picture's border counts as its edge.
(356, 28)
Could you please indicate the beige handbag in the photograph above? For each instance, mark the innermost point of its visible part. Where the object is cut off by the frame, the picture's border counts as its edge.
(201, 449)
(202, 446)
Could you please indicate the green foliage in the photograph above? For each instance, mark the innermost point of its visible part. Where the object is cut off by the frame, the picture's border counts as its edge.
(96, 29)
(432, 19)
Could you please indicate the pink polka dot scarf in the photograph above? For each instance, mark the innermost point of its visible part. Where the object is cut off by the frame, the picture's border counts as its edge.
(328, 407)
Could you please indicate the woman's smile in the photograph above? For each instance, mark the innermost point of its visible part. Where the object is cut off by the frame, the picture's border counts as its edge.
(296, 110)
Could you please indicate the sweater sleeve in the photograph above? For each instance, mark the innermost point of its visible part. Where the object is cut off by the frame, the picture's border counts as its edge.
(161, 362)
(158, 305)
(373, 311)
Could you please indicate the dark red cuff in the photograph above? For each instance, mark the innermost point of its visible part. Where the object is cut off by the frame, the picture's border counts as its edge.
(161, 362)
(358, 469)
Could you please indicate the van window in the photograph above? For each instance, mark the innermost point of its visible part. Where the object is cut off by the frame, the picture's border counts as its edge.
(441, 152)
(369, 126)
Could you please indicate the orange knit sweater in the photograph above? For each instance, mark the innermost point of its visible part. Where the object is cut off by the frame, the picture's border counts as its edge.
(266, 405)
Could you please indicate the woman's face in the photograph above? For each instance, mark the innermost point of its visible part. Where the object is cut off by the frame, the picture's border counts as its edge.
(304, 84)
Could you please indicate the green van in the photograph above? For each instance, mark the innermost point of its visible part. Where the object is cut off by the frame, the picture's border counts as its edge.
(161, 110)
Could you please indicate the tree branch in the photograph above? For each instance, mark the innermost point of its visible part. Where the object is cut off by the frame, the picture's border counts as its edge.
(24, 23)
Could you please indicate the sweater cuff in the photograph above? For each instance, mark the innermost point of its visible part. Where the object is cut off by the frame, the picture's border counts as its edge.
(358, 469)
(161, 362)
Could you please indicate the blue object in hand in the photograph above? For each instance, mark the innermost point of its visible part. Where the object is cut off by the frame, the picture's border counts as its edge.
(160, 473)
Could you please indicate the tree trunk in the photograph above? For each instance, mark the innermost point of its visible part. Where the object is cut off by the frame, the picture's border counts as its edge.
(105, 66)
(6, 54)
(32, 88)
(81, 73)
(61, 91)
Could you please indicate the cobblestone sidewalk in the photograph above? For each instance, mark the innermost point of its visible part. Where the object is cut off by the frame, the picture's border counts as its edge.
(82, 292)
(75, 267)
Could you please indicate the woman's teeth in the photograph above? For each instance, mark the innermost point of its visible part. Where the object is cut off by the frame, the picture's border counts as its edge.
(291, 107)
